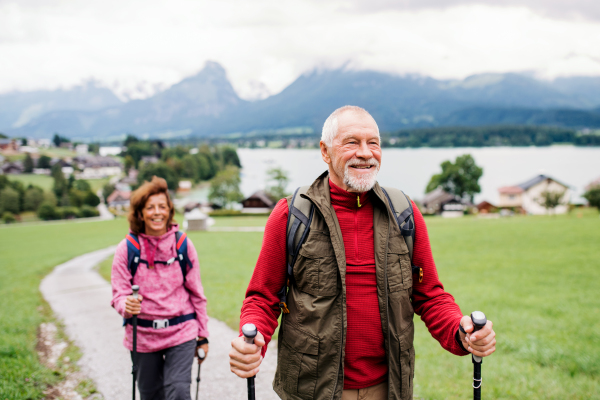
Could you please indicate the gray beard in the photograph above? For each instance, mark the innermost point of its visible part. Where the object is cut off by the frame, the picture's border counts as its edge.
(360, 184)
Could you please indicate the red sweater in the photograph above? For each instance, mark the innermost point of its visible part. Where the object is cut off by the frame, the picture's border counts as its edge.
(365, 361)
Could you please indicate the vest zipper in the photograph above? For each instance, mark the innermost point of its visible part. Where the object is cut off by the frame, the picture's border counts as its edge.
(337, 373)
(341, 352)
(387, 311)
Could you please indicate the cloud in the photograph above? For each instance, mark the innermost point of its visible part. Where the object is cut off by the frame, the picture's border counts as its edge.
(139, 47)
(560, 9)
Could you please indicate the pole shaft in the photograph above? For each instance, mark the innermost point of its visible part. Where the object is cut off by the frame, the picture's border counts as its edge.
(134, 369)
(198, 382)
(251, 388)
(477, 381)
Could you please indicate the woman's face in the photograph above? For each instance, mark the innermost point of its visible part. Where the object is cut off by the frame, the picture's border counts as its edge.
(156, 214)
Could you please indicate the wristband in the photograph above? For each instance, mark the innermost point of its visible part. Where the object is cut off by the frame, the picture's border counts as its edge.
(462, 329)
(201, 342)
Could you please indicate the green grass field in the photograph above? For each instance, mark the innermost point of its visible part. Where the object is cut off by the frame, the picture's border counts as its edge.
(536, 278)
(46, 181)
(27, 254)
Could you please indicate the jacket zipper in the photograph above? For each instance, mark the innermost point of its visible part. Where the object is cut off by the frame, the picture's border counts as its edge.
(355, 236)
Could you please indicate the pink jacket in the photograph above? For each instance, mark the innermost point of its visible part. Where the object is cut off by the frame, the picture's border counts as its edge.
(165, 295)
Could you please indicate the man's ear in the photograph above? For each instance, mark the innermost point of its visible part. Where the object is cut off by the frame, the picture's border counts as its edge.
(325, 152)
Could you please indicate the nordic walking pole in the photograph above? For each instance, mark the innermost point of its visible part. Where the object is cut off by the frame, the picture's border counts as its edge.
(249, 331)
(135, 289)
(201, 355)
(479, 321)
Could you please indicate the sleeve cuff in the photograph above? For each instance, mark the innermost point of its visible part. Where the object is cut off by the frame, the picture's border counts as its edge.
(459, 342)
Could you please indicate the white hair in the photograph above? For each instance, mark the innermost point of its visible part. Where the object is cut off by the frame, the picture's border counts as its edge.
(330, 127)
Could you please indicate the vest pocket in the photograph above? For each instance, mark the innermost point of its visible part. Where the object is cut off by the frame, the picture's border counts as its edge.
(315, 274)
(298, 361)
(399, 271)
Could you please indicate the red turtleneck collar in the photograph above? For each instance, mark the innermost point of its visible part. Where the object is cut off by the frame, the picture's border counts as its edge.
(351, 200)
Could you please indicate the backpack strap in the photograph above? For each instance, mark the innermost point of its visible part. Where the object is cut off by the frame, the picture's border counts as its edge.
(300, 214)
(133, 254)
(182, 253)
(402, 210)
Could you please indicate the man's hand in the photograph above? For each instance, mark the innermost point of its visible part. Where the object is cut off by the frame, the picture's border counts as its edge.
(481, 343)
(134, 306)
(244, 358)
(203, 347)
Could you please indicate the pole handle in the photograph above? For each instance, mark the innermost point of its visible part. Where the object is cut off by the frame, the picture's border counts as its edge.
(249, 331)
(135, 289)
(201, 354)
(479, 320)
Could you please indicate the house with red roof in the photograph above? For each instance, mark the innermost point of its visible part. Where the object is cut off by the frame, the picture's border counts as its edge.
(526, 197)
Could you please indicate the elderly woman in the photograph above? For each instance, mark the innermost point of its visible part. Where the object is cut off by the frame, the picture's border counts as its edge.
(171, 306)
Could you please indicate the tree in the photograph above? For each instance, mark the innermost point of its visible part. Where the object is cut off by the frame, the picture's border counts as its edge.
(550, 199)
(107, 190)
(130, 139)
(28, 164)
(162, 170)
(129, 163)
(225, 187)
(61, 185)
(48, 211)
(44, 162)
(82, 185)
(277, 182)
(208, 164)
(34, 196)
(460, 178)
(94, 148)
(8, 218)
(592, 195)
(9, 200)
(57, 140)
(229, 157)
(91, 199)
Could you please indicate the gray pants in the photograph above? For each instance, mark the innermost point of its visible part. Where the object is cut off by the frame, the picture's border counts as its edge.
(166, 374)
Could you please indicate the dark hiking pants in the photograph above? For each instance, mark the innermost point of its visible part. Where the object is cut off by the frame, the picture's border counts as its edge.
(166, 374)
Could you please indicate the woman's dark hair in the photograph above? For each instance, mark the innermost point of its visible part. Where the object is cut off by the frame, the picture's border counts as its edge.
(138, 201)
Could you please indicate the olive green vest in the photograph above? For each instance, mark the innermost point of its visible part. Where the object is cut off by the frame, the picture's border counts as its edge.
(312, 336)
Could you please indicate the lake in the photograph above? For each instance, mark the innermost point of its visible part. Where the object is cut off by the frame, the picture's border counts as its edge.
(411, 169)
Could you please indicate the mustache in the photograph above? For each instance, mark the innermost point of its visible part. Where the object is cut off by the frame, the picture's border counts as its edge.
(355, 161)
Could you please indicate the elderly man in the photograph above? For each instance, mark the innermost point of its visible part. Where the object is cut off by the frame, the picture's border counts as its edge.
(348, 333)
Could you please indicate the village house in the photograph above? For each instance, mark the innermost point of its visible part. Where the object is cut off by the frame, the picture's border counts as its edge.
(130, 179)
(257, 203)
(9, 146)
(119, 199)
(527, 196)
(184, 186)
(442, 203)
(13, 168)
(149, 160)
(96, 167)
(485, 207)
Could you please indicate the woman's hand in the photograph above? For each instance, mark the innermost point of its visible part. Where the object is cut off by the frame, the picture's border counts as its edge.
(203, 347)
(133, 306)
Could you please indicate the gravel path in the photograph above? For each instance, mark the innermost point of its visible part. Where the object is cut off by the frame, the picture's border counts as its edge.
(80, 297)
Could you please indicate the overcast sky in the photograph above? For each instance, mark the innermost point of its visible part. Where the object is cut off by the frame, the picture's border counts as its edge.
(137, 47)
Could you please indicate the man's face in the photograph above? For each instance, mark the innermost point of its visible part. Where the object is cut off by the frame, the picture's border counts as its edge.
(354, 157)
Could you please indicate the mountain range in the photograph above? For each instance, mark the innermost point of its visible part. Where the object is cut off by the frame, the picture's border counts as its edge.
(207, 105)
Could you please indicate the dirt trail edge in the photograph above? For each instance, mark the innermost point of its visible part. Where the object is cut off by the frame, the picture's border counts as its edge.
(81, 299)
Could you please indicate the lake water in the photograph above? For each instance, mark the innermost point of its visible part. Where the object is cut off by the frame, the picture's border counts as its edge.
(411, 169)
